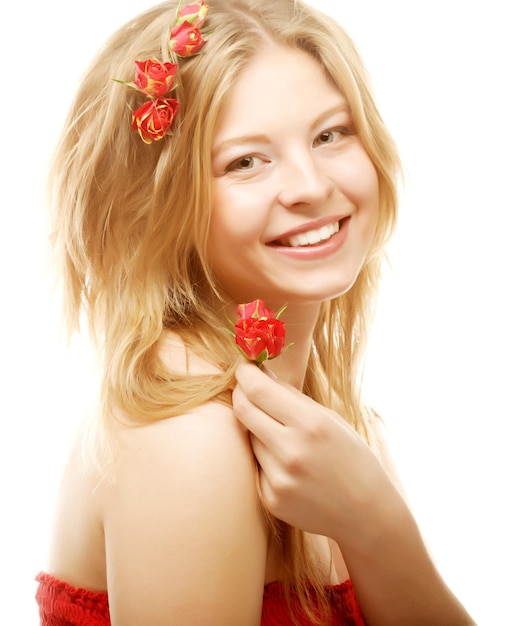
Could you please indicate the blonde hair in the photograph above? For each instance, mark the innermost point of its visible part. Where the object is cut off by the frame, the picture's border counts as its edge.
(130, 221)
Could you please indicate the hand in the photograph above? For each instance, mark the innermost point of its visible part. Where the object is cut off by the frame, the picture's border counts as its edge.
(316, 472)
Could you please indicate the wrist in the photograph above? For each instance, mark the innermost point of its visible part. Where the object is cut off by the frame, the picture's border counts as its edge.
(376, 520)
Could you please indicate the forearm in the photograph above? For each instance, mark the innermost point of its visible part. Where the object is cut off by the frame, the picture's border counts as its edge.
(318, 474)
(395, 579)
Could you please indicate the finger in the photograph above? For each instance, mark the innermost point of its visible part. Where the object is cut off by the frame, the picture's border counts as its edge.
(266, 460)
(279, 400)
(271, 478)
(266, 429)
(265, 433)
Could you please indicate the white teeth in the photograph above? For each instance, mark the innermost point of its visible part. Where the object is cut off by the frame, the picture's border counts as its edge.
(314, 236)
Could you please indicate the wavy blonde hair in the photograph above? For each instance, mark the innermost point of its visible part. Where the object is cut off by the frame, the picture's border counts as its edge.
(130, 222)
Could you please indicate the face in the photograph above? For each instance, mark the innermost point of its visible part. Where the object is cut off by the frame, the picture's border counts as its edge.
(295, 195)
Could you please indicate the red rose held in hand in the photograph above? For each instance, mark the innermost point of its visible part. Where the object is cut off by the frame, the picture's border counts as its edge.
(259, 333)
(154, 78)
(154, 118)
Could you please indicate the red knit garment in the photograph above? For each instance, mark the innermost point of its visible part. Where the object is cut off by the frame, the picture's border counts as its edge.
(61, 604)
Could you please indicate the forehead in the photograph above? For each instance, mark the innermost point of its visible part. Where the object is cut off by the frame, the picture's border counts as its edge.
(279, 85)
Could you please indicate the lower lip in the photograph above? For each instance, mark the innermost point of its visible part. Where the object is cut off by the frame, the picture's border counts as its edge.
(317, 251)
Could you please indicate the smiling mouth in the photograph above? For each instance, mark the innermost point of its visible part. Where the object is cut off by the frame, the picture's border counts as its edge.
(310, 237)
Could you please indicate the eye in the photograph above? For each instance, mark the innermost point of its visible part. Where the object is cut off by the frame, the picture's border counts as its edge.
(244, 164)
(332, 136)
(326, 137)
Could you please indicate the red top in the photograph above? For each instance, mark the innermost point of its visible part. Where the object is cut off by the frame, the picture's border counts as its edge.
(61, 604)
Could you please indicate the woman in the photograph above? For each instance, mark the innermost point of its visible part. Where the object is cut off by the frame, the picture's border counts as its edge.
(246, 161)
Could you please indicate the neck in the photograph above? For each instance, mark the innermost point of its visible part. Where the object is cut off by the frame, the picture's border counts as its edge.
(292, 364)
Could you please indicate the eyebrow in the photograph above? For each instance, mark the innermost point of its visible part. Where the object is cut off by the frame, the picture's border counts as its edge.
(339, 108)
(261, 138)
(238, 141)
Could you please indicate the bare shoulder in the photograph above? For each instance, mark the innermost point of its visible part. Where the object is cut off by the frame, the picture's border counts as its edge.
(185, 535)
(76, 552)
(195, 439)
(174, 530)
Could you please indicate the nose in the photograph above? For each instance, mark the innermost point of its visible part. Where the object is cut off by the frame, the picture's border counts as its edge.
(303, 181)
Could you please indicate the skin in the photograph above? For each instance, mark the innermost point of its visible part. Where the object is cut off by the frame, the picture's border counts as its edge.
(282, 164)
(317, 474)
(180, 529)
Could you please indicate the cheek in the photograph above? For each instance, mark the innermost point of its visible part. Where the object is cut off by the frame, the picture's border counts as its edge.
(362, 183)
(231, 231)
(367, 201)
(235, 219)
(361, 186)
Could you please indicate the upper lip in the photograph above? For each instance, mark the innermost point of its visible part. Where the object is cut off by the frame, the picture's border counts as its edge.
(304, 228)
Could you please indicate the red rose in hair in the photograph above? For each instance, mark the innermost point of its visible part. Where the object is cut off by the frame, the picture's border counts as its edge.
(154, 118)
(194, 13)
(186, 39)
(154, 78)
(259, 333)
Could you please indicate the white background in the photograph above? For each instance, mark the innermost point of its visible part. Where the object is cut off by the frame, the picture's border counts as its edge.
(438, 364)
